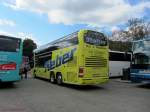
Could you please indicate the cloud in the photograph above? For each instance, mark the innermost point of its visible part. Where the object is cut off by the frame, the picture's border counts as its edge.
(93, 12)
(6, 33)
(5, 22)
(21, 35)
(24, 35)
(115, 29)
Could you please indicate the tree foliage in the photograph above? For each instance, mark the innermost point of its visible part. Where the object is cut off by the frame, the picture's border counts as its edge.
(121, 39)
(28, 47)
(138, 28)
(120, 46)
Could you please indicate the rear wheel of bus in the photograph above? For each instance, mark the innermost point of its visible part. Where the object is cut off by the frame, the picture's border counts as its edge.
(59, 78)
(52, 77)
(34, 74)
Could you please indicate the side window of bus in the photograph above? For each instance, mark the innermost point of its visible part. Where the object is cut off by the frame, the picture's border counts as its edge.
(69, 41)
(41, 58)
(116, 56)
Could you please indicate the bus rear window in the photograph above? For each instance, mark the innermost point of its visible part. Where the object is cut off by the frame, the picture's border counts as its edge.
(95, 38)
(9, 44)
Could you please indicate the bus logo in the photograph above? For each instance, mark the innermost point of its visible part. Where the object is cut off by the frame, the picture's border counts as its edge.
(9, 66)
(60, 60)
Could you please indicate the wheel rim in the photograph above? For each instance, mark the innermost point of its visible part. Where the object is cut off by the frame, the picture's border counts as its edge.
(52, 78)
(59, 79)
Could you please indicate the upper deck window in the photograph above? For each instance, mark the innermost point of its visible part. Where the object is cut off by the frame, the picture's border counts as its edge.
(95, 38)
(9, 44)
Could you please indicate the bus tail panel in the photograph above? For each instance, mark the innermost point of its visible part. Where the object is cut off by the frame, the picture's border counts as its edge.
(139, 75)
(93, 81)
(6, 76)
(94, 65)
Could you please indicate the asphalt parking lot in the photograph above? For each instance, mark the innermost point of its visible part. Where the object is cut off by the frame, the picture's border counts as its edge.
(36, 95)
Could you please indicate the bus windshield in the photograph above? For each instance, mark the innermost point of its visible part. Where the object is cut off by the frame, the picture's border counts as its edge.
(95, 38)
(142, 59)
(9, 44)
(141, 46)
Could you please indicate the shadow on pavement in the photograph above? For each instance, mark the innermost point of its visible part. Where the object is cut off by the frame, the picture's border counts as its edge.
(145, 86)
(83, 87)
(76, 87)
(7, 85)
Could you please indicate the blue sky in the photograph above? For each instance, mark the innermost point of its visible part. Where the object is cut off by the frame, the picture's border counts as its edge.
(47, 20)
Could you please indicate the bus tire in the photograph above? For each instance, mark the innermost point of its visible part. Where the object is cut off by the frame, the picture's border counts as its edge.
(34, 74)
(59, 78)
(52, 77)
(11, 83)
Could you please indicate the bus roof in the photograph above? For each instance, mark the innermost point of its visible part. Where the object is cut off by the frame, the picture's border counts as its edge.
(9, 37)
(52, 44)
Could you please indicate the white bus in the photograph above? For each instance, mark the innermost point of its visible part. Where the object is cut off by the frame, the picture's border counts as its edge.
(117, 62)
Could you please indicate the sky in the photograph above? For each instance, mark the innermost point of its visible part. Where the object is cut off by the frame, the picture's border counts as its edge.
(47, 20)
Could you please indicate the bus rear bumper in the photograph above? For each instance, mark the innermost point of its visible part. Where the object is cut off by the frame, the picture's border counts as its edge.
(140, 77)
(93, 81)
(9, 78)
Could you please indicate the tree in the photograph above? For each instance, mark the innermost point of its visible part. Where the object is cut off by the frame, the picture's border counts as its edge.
(121, 35)
(120, 41)
(138, 28)
(120, 46)
(28, 47)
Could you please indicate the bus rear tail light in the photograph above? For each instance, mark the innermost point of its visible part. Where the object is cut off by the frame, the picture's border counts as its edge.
(81, 72)
(10, 66)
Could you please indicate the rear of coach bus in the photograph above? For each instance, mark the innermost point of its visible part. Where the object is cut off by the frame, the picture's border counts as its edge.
(93, 58)
(10, 58)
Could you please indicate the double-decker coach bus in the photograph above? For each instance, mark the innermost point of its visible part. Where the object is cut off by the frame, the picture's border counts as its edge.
(10, 58)
(80, 58)
(140, 68)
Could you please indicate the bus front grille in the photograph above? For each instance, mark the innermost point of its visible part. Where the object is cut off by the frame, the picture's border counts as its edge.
(95, 61)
